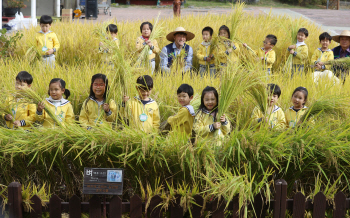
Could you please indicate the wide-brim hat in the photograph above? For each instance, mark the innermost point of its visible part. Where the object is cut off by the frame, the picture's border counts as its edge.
(189, 37)
(344, 33)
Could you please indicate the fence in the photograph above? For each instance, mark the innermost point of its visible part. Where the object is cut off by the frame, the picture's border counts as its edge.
(115, 207)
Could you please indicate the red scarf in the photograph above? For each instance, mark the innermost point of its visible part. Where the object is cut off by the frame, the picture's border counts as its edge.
(146, 39)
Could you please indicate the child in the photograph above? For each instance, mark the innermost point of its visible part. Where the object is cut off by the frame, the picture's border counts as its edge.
(47, 41)
(146, 30)
(294, 113)
(61, 107)
(206, 122)
(112, 31)
(23, 114)
(274, 115)
(226, 47)
(144, 110)
(322, 55)
(206, 60)
(183, 120)
(299, 52)
(266, 54)
(95, 104)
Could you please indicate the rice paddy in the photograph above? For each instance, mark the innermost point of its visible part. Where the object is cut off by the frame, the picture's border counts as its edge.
(246, 162)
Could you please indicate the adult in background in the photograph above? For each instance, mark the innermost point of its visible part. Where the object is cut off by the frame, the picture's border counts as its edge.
(342, 51)
(179, 37)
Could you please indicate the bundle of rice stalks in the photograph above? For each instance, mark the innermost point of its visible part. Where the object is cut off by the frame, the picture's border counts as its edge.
(342, 62)
(32, 54)
(259, 94)
(234, 82)
(236, 18)
(331, 105)
(36, 99)
(196, 102)
(157, 32)
(292, 29)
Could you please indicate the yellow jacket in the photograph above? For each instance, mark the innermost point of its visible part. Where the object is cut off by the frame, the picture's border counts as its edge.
(300, 55)
(90, 112)
(137, 108)
(63, 111)
(183, 120)
(320, 56)
(269, 57)
(292, 117)
(21, 111)
(140, 44)
(277, 118)
(48, 39)
(222, 51)
(203, 125)
(203, 52)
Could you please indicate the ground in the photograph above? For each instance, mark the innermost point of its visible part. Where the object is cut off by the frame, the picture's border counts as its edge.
(333, 21)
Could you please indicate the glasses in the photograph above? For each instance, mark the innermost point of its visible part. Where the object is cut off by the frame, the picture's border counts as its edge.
(98, 85)
(266, 43)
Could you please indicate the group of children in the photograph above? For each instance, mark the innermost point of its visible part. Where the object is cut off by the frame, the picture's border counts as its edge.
(209, 57)
(142, 112)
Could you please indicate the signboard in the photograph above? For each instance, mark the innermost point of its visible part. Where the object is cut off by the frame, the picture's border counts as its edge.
(105, 181)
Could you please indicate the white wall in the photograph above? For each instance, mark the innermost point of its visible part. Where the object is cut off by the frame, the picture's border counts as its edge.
(43, 7)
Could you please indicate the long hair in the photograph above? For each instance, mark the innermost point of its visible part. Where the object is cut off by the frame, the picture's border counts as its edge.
(205, 91)
(104, 78)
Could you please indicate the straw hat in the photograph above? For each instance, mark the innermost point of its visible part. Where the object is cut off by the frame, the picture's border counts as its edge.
(189, 37)
(344, 33)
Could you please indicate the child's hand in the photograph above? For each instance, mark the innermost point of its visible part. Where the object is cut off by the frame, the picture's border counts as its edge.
(208, 59)
(17, 123)
(320, 63)
(101, 44)
(292, 47)
(229, 50)
(41, 106)
(223, 119)
(291, 51)
(149, 43)
(125, 98)
(106, 107)
(50, 51)
(318, 66)
(8, 117)
(258, 59)
(245, 45)
(217, 125)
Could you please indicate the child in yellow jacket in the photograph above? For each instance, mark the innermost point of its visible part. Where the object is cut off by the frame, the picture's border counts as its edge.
(95, 111)
(112, 31)
(146, 30)
(226, 49)
(22, 114)
(144, 110)
(206, 124)
(274, 116)
(266, 54)
(299, 52)
(47, 41)
(320, 56)
(59, 107)
(294, 113)
(183, 120)
(205, 59)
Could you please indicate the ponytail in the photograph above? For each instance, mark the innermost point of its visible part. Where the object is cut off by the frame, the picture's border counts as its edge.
(62, 84)
(66, 93)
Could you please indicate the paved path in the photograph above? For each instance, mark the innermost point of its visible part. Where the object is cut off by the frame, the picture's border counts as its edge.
(333, 21)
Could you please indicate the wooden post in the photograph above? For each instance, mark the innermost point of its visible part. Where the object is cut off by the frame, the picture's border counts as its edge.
(36, 206)
(338, 4)
(95, 207)
(75, 207)
(175, 209)
(218, 208)
(339, 209)
(299, 205)
(55, 207)
(279, 210)
(155, 207)
(135, 207)
(196, 211)
(259, 205)
(320, 204)
(15, 200)
(115, 207)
